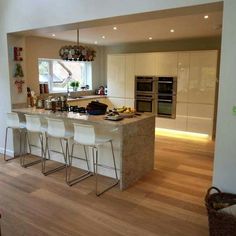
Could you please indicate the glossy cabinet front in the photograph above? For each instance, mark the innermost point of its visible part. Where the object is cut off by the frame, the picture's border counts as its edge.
(166, 63)
(145, 64)
(116, 75)
(196, 84)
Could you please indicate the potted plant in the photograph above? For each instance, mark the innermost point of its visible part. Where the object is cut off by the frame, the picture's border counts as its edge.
(74, 85)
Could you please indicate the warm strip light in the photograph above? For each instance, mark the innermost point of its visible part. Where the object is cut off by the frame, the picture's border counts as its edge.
(181, 134)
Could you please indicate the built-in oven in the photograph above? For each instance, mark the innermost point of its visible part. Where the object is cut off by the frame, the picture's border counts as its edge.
(145, 84)
(145, 103)
(166, 96)
(166, 106)
(167, 85)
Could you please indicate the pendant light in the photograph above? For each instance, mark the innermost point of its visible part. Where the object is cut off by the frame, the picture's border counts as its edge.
(77, 52)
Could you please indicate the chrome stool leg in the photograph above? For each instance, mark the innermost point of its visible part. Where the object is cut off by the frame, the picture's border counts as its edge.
(96, 172)
(47, 150)
(5, 145)
(29, 146)
(81, 177)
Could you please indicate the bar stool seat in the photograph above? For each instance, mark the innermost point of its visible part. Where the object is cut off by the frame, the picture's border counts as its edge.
(33, 126)
(14, 123)
(86, 136)
(56, 130)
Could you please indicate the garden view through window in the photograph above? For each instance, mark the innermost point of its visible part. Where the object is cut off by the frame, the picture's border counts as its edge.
(64, 76)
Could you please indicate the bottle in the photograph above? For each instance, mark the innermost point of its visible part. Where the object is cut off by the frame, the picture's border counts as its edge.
(28, 97)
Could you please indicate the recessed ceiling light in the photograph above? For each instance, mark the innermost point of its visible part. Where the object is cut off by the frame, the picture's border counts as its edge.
(172, 30)
(95, 42)
(206, 17)
(103, 37)
(150, 38)
(53, 35)
(114, 28)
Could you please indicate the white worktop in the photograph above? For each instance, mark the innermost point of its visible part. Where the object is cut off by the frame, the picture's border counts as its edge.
(99, 119)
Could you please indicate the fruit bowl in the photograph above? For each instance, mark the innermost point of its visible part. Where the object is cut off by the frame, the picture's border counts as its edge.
(127, 114)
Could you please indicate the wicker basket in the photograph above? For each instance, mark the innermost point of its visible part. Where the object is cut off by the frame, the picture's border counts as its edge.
(220, 223)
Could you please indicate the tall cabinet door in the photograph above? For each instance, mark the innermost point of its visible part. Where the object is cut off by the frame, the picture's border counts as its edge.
(183, 76)
(202, 76)
(166, 63)
(145, 64)
(201, 96)
(129, 76)
(116, 76)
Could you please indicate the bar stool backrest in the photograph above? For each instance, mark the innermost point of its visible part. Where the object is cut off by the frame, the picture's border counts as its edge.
(33, 123)
(13, 120)
(84, 134)
(56, 128)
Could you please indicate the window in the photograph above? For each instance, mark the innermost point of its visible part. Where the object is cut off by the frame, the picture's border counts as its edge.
(59, 74)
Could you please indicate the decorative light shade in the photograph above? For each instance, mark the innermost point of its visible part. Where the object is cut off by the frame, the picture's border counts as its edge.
(77, 52)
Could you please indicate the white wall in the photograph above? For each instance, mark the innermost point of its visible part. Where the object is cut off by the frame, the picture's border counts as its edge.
(225, 152)
(16, 15)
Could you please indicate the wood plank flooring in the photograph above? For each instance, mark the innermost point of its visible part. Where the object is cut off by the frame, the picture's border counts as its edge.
(167, 202)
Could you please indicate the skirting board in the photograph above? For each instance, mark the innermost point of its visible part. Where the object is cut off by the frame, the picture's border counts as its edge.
(8, 152)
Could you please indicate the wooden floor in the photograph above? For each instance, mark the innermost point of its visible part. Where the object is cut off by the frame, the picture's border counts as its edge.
(169, 201)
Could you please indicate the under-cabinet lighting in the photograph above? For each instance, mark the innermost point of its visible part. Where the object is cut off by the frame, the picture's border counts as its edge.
(53, 35)
(103, 36)
(114, 28)
(182, 134)
(150, 38)
(95, 42)
(172, 30)
(206, 17)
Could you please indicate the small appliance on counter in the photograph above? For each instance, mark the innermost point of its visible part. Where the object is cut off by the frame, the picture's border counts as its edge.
(55, 104)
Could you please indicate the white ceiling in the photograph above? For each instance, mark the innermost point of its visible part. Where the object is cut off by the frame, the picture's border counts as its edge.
(185, 26)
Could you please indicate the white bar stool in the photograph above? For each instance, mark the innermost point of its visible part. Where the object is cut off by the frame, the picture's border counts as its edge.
(56, 129)
(86, 135)
(13, 122)
(33, 126)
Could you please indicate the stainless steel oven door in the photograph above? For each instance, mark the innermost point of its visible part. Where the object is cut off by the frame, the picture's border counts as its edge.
(145, 104)
(145, 84)
(166, 107)
(167, 85)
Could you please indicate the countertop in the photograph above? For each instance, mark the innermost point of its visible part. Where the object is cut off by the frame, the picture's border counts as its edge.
(99, 119)
(87, 97)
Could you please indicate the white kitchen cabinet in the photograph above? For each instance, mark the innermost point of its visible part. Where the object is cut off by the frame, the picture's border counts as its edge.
(179, 123)
(183, 76)
(202, 77)
(200, 118)
(115, 102)
(129, 76)
(145, 64)
(116, 76)
(129, 102)
(166, 63)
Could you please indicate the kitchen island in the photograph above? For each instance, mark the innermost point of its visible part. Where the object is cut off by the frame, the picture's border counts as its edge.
(133, 140)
